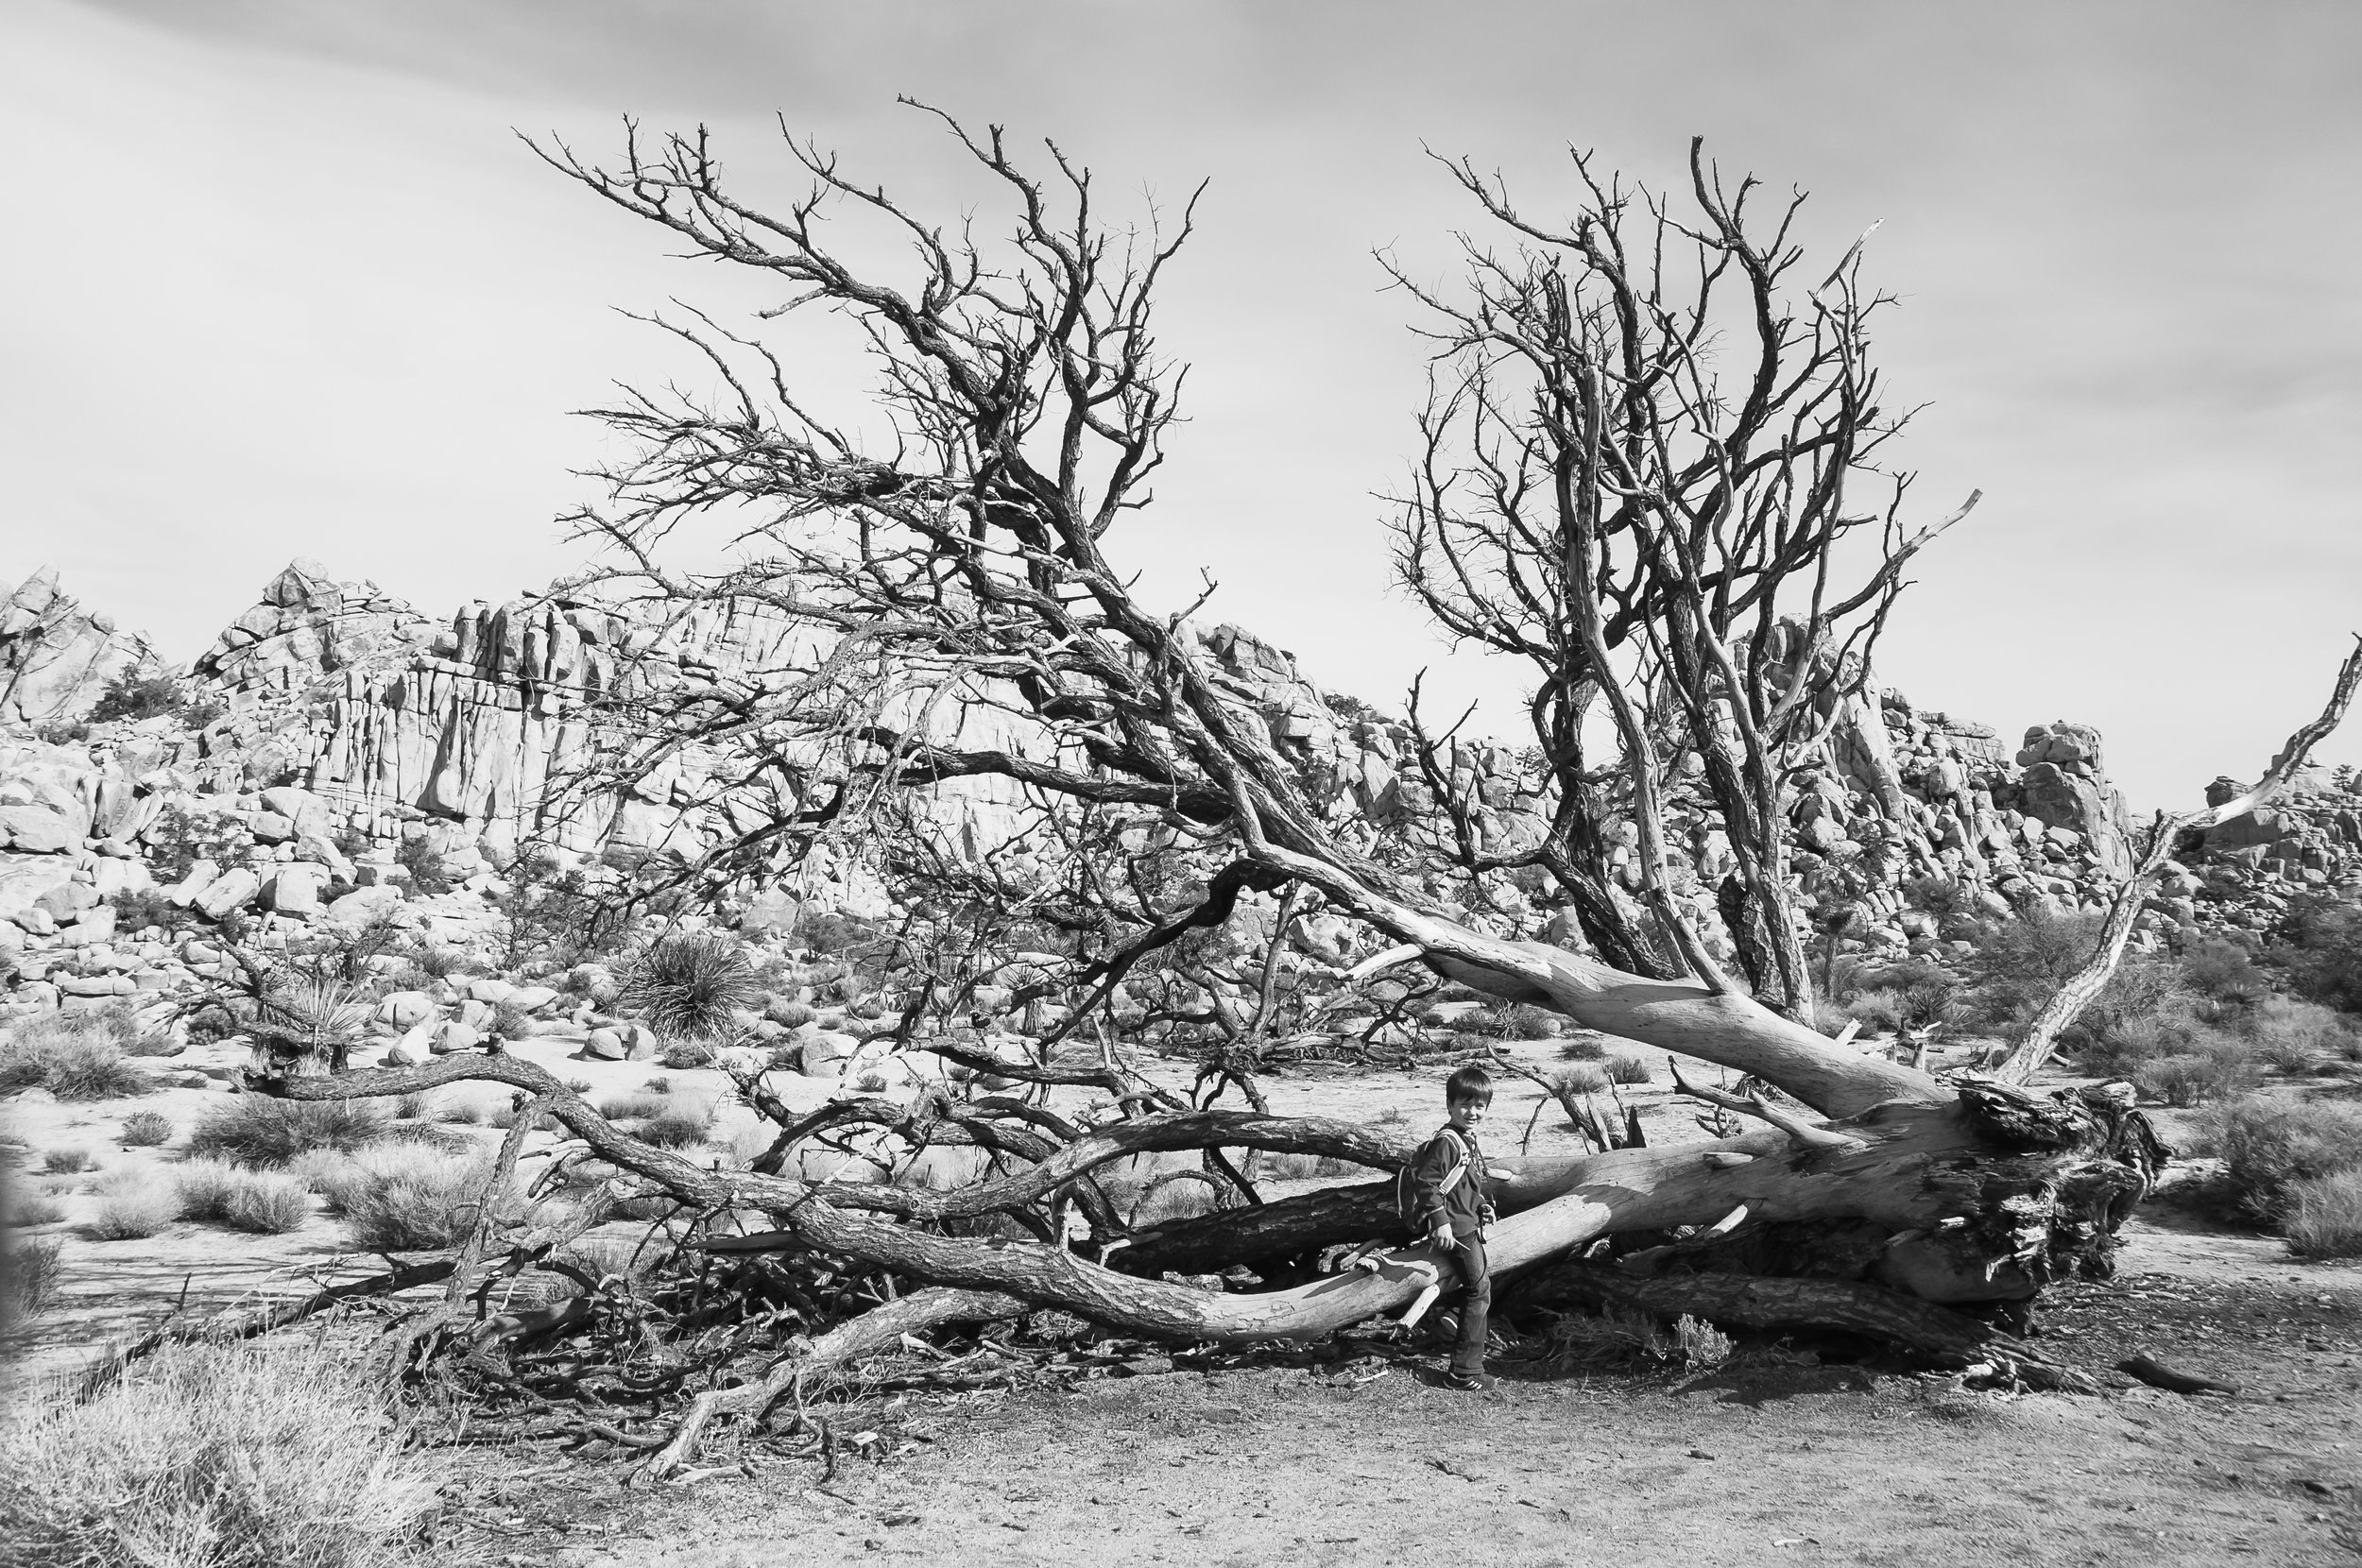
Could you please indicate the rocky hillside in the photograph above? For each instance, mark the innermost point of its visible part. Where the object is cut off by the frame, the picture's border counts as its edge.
(341, 725)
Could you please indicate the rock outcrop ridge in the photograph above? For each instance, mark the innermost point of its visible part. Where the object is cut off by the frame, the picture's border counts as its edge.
(353, 724)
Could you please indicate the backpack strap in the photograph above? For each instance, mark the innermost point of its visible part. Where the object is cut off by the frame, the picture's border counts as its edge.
(1458, 1171)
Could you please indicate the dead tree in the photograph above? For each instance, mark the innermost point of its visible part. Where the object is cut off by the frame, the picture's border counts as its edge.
(1645, 461)
(963, 624)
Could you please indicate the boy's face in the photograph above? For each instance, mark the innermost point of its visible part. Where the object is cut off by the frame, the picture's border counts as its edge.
(1469, 1113)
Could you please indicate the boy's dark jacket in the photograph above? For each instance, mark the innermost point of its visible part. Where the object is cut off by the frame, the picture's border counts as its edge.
(1467, 1204)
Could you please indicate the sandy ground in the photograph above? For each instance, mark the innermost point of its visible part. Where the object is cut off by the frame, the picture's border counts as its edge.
(1780, 1457)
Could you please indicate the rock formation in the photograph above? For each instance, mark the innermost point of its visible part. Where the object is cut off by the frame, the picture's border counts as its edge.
(353, 724)
(56, 658)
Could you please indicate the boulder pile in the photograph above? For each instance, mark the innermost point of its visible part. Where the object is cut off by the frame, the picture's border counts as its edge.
(347, 736)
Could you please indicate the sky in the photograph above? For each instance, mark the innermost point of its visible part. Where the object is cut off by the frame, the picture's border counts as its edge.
(281, 281)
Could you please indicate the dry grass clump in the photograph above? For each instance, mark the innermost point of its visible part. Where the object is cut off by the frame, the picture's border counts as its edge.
(29, 1205)
(67, 1162)
(1619, 1334)
(218, 1457)
(257, 1130)
(266, 1202)
(1628, 1069)
(134, 1204)
(74, 1056)
(1510, 1021)
(31, 1275)
(1584, 1078)
(1296, 1167)
(146, 1129)
(1582, 1046)
(2322, 1216)
(638, 1107)
(679, 1126)
(408, 1197)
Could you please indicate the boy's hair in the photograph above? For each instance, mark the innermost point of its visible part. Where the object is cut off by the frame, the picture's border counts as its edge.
(1470, 1085)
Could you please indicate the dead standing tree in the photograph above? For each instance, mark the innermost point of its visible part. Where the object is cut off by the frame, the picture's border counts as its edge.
(1649, 469)
(960, 565)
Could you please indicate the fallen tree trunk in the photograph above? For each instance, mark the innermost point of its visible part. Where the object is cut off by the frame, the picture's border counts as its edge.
(1986, 1196)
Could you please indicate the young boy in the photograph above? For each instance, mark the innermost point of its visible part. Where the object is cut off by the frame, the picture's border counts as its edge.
(1448, 1187)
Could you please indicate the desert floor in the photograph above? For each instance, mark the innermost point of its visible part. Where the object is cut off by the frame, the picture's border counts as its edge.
(1781, 1455)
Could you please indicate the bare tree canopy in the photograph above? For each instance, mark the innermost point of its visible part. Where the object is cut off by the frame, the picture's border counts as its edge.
(1644, 458)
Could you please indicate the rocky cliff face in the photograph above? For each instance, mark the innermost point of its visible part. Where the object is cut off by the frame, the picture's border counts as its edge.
(56, 657)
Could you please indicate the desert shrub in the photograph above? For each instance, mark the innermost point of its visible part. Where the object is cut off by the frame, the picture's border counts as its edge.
(1584, 1078)
(2291, 1033)
(405, 1197)
(213, 1023)
(136, 911)
(219, 1457)
(1628, 1069)
(256, 1130)
(1582, 1046)
(2018, 964)
(2322, 1215)
(439, 963)
(633, 1107)
(463, 1112)
(686, 1055)
(552, 916)
(829, 931)
(424, 862)
(791, 1014)
(1938, 895)
(73, 1056)
(135, 694)
(1512, 1021)
(688, 985)
(67, 1162)
(659, 1085)
(266, 1203)
(2191, 1079)
(2214, 966)
(146, 1129)
(178, 838)
(133, 1204)
(31, 1205)
(410, 1107)
(2319, 948)
(2266, 1145)
(680, 1125)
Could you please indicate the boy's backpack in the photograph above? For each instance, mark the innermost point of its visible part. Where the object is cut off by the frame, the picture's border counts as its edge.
(1406, 1183)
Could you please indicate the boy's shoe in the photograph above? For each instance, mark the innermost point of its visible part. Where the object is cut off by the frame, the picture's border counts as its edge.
(1474, 1383)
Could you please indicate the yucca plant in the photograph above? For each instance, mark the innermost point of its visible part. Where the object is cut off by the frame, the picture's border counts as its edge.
(305, 1027)
(687, 986)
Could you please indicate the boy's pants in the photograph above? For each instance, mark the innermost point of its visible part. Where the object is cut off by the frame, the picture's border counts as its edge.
(1476, 1303)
